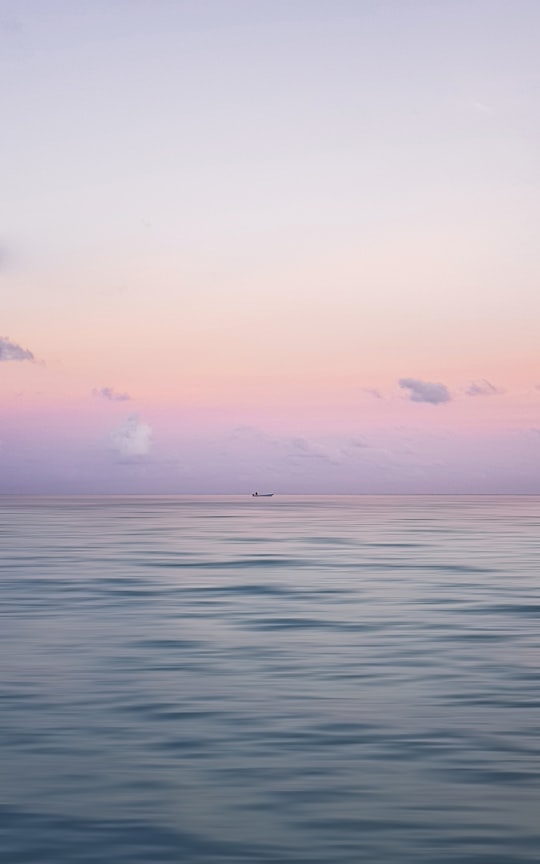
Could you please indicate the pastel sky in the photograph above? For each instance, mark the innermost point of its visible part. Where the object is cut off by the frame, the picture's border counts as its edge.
(286, 245)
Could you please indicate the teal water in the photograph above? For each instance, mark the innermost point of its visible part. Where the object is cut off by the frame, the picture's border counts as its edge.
(209, 680)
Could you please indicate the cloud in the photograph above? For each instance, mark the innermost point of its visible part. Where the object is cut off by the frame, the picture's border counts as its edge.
(302, 448)
(248, 433)
(483, 387)
(110, 394)
(372, 391)
(425, 391)
(132, 438)
(11, 351)
(292, 451)
(358, 442)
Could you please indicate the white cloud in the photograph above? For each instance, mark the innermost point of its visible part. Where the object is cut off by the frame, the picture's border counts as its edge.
(425, 391)
(11, 351)
(132, 438)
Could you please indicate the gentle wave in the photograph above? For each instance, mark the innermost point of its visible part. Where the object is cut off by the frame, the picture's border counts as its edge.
(310, 680)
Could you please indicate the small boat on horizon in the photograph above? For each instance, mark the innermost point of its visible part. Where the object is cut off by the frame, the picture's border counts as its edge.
(261, 494)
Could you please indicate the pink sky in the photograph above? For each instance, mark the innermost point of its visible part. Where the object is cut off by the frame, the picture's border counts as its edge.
(230, 231)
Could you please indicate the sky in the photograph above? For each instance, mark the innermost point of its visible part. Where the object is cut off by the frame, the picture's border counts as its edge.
(274, 245)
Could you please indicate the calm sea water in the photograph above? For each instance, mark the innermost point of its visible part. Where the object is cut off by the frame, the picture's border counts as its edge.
(333, 679)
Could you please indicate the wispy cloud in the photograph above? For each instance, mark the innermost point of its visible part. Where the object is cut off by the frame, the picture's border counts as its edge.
(133, 438)
(289, 450)
(372, 391)
(110, 394)
(11, 351)
(425, 391)
(248, 433)
(357, 442)
(483, 387)
(301, 448)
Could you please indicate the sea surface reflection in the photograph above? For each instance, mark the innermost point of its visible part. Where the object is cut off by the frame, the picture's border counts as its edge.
(319, 679)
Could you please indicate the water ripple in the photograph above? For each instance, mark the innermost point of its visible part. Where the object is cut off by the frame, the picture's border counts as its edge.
(317, 680)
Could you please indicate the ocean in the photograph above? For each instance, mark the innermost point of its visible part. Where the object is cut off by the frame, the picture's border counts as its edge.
(326, 680)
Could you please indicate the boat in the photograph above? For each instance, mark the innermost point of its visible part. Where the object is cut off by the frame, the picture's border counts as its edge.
(261, 494)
